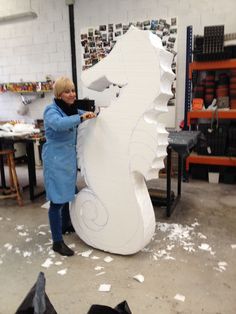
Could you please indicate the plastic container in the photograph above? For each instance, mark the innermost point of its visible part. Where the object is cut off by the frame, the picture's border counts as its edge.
(213, 177)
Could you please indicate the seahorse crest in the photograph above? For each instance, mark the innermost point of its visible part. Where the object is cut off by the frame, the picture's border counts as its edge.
(124, 146)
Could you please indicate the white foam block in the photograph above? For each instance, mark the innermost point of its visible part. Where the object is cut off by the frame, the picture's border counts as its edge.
(124, 146)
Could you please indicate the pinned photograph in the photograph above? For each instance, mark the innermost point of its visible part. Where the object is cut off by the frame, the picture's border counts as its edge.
(103, 28)
(86, 55)
(90, 32)
(117, 34)
(173, 21)
(154, 24)
(146, 23)
(110, 28)
(84, 36)
(84, 42)
(138, 24)
(104, 37)
(172, 39)
(97, 32)
(119, 25)
(125, 28)
(110, 36)
(173, 30)
(162, 21)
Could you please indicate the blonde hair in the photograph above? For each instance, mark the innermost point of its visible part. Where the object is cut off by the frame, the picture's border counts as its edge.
(61, 84)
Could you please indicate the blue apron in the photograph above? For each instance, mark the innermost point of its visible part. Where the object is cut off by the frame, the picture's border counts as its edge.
(59, 154)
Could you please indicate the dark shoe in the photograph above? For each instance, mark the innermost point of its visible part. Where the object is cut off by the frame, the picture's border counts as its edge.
(69, 229)
(61, 248)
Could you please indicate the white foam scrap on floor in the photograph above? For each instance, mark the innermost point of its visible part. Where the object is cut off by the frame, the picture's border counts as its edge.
(23, 231)
(139, 278)
(169, 257)
(104, 287)
(95, 257)
(86, 253)
(177, 235)
(101, 273)
(23, 234)
(206, 247)
(41, 232)
(27, 254)
(48, 243)
(47, 263)
(233, 246)
(46, 205)
(98, 268)
(51, 253)
(19, 227)
(189, 249)
(40, 248)
(147, 250)
(8, 246)
(179, 297)
(201, 236)
(162, 253)
(195, 224)
(62, 271)
(1, 218)
(72, 245)
(170, 247)
(221, 266)
(42, 226)
(108, 259)
(177, 232)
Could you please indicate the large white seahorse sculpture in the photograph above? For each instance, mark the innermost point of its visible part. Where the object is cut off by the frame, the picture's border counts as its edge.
(124, 145)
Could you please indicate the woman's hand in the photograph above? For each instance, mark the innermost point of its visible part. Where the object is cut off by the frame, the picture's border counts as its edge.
(88, 115)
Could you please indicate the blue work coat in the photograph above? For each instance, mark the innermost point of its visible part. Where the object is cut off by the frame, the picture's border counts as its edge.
(59, 154)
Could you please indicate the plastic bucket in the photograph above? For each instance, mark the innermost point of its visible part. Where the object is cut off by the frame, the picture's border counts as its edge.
(213, 177)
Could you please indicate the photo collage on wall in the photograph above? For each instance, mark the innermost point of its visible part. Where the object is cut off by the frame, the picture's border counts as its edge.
(98, 41)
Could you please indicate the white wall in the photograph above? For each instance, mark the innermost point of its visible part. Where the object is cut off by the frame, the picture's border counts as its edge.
(33, 49)
(30, 50)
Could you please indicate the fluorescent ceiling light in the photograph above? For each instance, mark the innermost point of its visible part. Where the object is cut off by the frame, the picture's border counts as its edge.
(23, 16)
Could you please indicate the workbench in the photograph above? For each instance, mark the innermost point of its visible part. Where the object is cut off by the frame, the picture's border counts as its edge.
(6, 141)
(181, 142)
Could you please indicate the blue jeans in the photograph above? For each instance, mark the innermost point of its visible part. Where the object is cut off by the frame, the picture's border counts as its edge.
(59, 219)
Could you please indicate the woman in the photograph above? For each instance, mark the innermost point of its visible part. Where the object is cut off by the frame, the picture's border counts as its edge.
(61, 119)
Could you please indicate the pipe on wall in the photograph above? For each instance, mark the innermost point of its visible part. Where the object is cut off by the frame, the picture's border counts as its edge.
(70, 4)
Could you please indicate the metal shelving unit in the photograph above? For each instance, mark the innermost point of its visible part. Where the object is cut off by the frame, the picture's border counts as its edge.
(187, 105)
(192, 116)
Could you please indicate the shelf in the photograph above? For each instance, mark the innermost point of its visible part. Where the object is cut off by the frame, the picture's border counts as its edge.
(208, 114)
(211, 65)
(194, 158)
(210, 160)
(27, 87)
(33, 92)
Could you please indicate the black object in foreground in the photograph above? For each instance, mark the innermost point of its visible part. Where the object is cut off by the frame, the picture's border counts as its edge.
(121, 308)
(37, 301)
(86, 104)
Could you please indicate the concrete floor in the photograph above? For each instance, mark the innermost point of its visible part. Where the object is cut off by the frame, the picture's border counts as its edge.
(189, 267)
